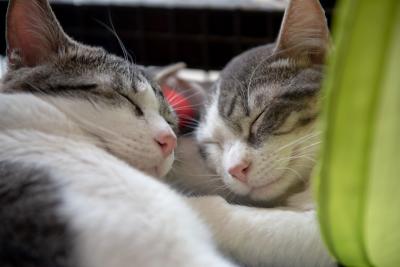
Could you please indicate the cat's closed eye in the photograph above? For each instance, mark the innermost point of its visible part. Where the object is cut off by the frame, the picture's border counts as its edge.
(283, 132)
(257, 122)
(300, 122)
(307, 120)
(281, 127)
(138, 110)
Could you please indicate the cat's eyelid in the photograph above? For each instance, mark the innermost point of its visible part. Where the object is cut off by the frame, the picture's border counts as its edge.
(307, 120)
(278, 133)
(299, 123)
(139, 111)
(256, 119)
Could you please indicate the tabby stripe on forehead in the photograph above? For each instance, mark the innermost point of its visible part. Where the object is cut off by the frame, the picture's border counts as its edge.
(231, 106)
(300, 93)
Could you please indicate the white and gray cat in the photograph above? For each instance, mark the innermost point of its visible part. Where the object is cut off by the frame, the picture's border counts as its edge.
(256, 145)
(73, 121)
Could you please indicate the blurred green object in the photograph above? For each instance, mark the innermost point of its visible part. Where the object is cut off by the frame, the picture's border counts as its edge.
(358, 181)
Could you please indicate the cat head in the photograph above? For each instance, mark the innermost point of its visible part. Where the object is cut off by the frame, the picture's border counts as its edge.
(258, 132)
(113, 101)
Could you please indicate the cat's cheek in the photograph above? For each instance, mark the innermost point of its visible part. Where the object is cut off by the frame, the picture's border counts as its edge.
(261, 194)
(165, 166)
(272, 190)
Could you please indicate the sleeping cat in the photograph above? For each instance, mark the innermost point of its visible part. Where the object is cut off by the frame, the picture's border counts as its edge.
(73, 121)
(256, 145)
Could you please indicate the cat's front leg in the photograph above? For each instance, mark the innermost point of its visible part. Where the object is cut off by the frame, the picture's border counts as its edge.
(264, 237)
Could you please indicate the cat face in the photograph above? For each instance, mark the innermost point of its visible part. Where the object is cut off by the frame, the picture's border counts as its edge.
(259, 131)
(114, 102)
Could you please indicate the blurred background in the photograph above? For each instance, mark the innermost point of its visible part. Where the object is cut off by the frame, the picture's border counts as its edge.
(205, 34)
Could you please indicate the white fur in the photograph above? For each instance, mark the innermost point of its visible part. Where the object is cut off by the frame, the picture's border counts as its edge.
(129, 137)
(3, 66)
(265, 237)
(120, 215)
(254, 236)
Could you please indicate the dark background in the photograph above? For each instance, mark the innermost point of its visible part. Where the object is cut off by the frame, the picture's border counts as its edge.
(203, 38)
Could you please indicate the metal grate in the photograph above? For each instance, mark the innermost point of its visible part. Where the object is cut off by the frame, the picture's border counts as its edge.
(203, 38)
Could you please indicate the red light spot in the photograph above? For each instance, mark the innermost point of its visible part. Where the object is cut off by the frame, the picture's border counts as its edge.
(181, 105)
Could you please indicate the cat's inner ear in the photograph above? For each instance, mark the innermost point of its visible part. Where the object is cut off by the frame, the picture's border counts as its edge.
(304, 31)
(33, 32)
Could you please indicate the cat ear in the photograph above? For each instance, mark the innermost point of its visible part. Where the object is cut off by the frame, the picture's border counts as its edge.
(161, 74)
(304, 31)
(33, 32)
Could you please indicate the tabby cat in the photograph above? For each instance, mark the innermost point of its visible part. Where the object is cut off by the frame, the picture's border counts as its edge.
(83, 134)
(256, 145)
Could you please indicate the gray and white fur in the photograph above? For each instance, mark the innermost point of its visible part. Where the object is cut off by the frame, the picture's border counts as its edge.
(257, 144)
(83, 137)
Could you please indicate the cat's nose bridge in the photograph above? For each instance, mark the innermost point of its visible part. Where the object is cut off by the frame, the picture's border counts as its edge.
(167, 142)
(240, 170)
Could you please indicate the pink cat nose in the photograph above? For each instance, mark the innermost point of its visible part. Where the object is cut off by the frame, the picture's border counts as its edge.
(167, 143)
(240, 170)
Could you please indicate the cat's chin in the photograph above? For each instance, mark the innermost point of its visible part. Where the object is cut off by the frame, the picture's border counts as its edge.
(262, 193)
(265, 192)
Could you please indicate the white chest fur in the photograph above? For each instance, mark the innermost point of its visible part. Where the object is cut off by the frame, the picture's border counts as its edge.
(121, 216)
